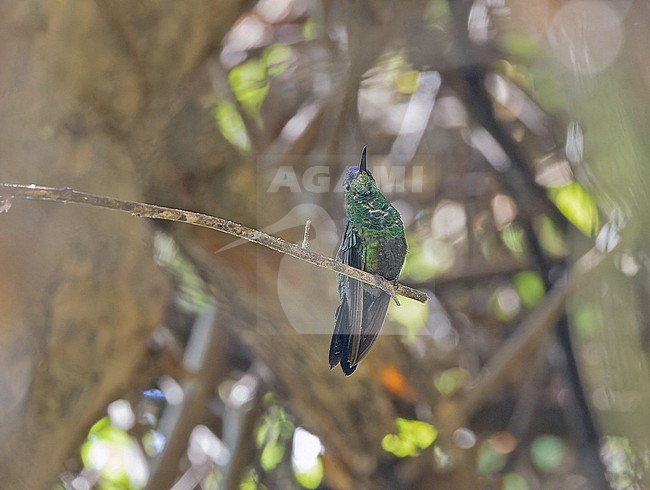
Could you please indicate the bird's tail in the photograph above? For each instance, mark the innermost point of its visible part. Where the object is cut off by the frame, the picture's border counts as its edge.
(350, 345)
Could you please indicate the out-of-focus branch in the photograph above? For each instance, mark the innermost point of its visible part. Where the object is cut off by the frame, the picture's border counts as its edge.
(243, 451)
(537, 325)
(473, 273)
(205, 349)
(68, 195)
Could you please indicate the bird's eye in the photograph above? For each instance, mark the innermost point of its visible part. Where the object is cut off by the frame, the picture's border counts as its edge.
(346, 186)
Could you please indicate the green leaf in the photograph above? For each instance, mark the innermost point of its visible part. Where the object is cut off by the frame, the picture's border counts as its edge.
(272, 455)
(412, 436)
(513, 238)
(394, 444)
(530, 288)
(311, 478)
(104, 431)
(251, 481)
(276, 57)
(116, 449)
(550, 237)
(192, 294)
(521, 46)
(231, 125)
(577, 205)
(421, 433)
(628, 465)
(451, 380)
(213, 481)
(308, 30)
(514, 481)
(407, 82)
(547, 89)
(505, 304)
(547, 452)
(488, 460)
(438, 11)
(249, 82)
(272, 435)
(587, 320)
(262, 433)
(102, 426)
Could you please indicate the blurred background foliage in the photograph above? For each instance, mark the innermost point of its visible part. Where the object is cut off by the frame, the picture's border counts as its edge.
(509, 134)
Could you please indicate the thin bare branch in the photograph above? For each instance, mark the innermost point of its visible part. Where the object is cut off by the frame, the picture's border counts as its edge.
(69, 195)
(531, 332)
(305, 240)
(534, 328)
(205, 355)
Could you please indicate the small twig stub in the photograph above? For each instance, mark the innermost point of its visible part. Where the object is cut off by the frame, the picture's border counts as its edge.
(305, 240)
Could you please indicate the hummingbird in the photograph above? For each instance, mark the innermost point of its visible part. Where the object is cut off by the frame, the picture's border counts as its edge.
(373, 241)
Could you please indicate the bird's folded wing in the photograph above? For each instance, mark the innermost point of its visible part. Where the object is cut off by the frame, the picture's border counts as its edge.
(346, 338)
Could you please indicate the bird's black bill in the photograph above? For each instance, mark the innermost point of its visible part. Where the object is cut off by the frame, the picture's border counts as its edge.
(362, 165)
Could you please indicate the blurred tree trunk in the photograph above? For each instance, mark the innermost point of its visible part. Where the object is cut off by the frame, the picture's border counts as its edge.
(80, 291)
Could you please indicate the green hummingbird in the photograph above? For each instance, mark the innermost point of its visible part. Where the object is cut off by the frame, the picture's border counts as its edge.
(374, 242)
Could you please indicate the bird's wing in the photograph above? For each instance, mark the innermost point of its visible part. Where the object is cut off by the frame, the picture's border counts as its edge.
(356, 312)
(375, 301)
(346, 338)
(339, 346)
(375, 307)
(361, 313)
(338, 338)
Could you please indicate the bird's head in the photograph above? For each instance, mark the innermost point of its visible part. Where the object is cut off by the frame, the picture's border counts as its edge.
(358, 180)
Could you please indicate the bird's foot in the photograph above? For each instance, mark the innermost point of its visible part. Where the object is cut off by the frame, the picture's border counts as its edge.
(389, 286)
